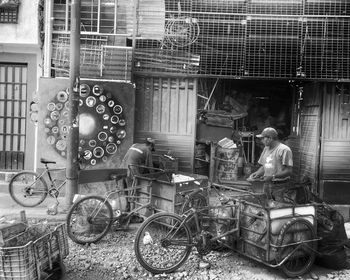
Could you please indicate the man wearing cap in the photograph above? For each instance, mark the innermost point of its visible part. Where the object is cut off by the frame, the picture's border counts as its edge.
(136, 161)
(276, 167)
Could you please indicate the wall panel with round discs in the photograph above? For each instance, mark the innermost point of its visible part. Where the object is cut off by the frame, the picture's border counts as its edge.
(106, 121)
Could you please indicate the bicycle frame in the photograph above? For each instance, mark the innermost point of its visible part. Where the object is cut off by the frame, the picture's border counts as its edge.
(194, 214)
(130, 190)
(52, 181)
(203, 213)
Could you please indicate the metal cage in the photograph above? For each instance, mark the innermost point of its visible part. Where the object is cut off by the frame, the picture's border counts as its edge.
(285, 39)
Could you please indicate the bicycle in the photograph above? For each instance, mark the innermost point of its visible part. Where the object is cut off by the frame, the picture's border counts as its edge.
(164, 241)
(91, 217)
(29, 188)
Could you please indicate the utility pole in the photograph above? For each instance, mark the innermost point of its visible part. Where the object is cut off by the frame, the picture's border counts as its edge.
(74, 81)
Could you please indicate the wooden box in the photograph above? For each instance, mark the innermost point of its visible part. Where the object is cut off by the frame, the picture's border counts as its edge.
(168, 196)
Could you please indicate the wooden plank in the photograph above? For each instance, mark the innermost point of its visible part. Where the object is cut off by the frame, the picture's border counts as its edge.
(183, 110)
(156, 115)
(173, 106)
(166, 104)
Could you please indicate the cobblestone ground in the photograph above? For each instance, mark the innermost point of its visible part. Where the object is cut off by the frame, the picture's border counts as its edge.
(113, 258)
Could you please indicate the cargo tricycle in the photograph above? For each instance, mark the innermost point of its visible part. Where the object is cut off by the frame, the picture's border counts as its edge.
(91, 216)
(281, 237)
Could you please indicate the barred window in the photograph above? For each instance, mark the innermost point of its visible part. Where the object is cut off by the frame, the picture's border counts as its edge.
(8, 15)
(97, 16)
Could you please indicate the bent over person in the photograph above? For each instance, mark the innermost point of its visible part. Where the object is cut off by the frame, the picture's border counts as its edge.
(276, 167)
(137, 159)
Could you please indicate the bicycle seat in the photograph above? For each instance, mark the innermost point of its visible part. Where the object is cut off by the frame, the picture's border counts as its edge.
(46, 161)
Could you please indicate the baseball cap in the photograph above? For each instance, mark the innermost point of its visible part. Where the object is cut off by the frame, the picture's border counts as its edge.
(151, 141)
(268, 132)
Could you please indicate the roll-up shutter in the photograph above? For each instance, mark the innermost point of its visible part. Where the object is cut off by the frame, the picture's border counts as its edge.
(166, 110)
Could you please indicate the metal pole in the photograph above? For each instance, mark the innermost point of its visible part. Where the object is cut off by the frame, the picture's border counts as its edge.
(74, 76)
(48, 38)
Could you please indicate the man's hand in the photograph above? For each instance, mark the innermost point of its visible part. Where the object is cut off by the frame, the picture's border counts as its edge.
(253, 177)
(267, 178)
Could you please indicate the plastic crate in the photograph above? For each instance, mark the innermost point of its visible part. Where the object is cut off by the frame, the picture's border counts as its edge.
(38, 248)
(18, 263)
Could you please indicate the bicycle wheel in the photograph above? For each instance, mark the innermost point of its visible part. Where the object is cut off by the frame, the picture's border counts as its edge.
(162, 243)
(27, 189)
(89, 220)
(296, 247)
(197, 200)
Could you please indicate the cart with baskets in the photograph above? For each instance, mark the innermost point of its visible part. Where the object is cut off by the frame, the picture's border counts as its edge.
(282, 237)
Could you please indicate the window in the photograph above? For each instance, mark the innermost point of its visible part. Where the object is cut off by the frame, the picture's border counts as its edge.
(97, 16)
(9, 11)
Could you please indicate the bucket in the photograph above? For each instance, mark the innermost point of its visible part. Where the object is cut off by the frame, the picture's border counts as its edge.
(227, 164)
(119, 203)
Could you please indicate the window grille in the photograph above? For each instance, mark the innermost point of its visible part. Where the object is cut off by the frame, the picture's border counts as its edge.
(98, 59)
(286, 39)
(8, 15)
(97, 16)
(105, 26)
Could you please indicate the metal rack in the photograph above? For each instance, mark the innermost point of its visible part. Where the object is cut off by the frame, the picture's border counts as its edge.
(258, 38)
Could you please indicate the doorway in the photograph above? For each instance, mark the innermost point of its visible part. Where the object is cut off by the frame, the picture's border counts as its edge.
(13, 103)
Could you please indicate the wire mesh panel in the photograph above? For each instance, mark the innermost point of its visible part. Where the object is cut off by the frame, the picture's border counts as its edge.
(229, 38)
(256, 38)
(272, 47)
(222, 36)
(116, 63)
(97, 58)
(90, 54)
(277, 7)
(324, 46)
(105, 26)
(96, 16)
(327, 7)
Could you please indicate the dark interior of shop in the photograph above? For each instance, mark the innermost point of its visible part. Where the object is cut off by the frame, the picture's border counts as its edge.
(238, 110)
(267, 103)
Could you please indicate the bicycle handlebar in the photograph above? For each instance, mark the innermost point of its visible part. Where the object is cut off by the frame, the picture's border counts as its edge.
(192, 193)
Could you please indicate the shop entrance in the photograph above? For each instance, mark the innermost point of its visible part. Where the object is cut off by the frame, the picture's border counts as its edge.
(238, 110)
